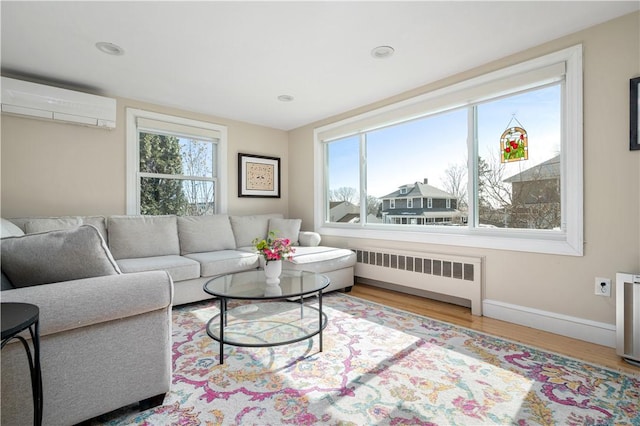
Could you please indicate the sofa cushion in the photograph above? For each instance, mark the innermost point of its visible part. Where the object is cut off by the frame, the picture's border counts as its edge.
(180, 268)
(100, 222)
(248, 228)
(286, 228)
(42, 224)
(56, 256)
(320, 259)
(51, 224)
(309, 238)
(224, 262)
(143, 236)
(200, 234)
(10, 229)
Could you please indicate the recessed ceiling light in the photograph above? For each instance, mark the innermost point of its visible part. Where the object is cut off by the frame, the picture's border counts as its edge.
(382, 52)
(285, 98)
(109, 48)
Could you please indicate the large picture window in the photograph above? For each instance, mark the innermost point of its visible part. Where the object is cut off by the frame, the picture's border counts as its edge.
(491, 162)
(173, 165)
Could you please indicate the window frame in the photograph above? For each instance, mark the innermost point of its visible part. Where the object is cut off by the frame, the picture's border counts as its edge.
(133, 173)
(568, 241)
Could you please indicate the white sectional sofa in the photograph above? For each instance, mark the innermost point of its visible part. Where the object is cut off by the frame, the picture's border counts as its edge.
(105, 293)
(193, 249)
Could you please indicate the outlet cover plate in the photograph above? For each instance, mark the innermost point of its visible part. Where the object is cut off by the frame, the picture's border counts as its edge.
(603, 290)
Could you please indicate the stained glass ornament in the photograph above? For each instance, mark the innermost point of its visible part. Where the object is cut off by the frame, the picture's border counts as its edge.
(514, 144)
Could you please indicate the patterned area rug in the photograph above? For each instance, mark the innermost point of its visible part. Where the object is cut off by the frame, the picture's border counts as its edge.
(382, 366)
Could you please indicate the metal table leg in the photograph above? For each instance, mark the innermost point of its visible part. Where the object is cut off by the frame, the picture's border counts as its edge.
(223, 321)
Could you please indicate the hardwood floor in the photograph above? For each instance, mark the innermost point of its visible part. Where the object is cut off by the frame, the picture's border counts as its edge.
(461, 316)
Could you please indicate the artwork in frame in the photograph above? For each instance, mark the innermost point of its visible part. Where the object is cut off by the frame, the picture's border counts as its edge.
(634, 118)
(258, 176)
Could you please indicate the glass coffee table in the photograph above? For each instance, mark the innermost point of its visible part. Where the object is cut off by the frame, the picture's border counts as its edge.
(278, 314)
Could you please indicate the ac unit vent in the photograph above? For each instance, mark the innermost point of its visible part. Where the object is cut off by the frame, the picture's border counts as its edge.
(52, 103)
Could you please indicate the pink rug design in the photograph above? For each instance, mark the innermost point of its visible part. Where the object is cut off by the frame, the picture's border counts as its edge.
(382, 366)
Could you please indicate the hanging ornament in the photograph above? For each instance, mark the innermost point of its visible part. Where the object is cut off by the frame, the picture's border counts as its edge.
(514, 143)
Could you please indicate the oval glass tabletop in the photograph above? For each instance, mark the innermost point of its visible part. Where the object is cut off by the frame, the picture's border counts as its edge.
(252, 285)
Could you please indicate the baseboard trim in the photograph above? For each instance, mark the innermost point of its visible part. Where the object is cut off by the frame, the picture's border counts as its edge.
(578, 328)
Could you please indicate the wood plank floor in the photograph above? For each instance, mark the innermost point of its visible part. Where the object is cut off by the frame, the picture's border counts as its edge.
(459, 315)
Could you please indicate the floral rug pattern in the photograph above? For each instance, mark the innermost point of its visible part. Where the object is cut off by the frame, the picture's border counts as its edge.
(382, 366)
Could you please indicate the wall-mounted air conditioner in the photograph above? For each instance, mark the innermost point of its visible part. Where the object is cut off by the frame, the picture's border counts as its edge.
(52, 103)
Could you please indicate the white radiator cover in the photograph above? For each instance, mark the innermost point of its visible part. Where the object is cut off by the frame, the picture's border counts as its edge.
(451, 275)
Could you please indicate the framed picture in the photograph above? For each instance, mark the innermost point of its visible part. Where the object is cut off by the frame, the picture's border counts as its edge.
(634, 118)
(258, 176)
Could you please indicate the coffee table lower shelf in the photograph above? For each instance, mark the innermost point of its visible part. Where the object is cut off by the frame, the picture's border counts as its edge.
(266, 324)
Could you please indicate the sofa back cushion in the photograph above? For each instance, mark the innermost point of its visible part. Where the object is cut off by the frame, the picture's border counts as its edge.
(42, 224)
(200, 234)
(56, 256)
(286, 228)
(10, 229)
(143, 236)
(248, 228)
(51, 224)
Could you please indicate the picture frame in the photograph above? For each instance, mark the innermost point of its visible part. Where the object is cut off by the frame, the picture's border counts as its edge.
(634, 117)
(258, 176)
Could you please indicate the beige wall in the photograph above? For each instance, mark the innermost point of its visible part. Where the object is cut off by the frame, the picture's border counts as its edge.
(558, 284)
(51, 168)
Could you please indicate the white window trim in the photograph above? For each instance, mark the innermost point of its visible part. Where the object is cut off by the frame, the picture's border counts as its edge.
(409, 203)
(392, 204)
(569, 241)
(429, 203)
(133, 156)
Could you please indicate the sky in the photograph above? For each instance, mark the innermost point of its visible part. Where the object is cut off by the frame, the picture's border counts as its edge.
(425, 148)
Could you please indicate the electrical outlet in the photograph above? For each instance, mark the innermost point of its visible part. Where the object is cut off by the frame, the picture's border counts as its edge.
(603, 287)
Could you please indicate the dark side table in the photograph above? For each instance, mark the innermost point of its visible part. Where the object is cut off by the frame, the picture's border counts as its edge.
(15, 318)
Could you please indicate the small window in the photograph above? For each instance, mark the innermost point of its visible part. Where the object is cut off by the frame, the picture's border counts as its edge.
(429, 203)
(409, 203)
(173, 165)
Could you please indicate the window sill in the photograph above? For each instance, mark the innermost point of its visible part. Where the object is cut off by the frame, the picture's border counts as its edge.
(546, 242)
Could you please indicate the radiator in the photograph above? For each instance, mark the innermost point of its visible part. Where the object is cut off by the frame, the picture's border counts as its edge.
(451, 275)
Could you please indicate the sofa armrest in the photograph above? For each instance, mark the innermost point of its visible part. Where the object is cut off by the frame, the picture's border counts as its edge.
(309, 238)
(79, 303)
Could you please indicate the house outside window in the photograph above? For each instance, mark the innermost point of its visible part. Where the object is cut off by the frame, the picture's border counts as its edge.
(410, 215)
(173, 165)
(456, 139)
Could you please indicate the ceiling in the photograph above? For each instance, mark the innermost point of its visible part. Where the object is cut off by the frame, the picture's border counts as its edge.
(233, 59)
